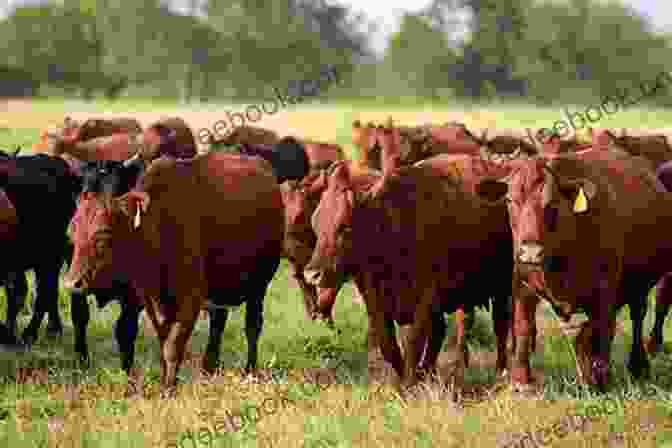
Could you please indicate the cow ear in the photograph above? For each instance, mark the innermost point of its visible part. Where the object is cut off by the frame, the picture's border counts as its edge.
(134, 203)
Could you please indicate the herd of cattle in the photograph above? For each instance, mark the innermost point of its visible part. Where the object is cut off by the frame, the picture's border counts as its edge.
(431, 219)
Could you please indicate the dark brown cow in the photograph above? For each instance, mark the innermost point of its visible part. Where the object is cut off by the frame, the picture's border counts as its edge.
(208, 228)
(411, 257)
(588, 236)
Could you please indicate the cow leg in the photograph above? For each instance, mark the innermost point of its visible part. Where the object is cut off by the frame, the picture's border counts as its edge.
(602, 323)
(421, 329)
(663, 302)
(46, 301)
(522, 330)
(161, 317)
(126, 332)
(17, 289)
(254, 321)
(309, 291)
(433, 345)
(218, 318)
(638, 364)
(501, 316)
(178, 333)
(79, 308)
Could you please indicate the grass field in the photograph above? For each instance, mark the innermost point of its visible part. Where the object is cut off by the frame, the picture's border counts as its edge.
(67, 408)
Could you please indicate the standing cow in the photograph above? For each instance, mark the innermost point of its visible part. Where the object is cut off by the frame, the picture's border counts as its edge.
(420, 246)
(176, 252)
(588, 236)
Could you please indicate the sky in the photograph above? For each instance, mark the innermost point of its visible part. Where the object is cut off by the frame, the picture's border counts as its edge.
(386, 13)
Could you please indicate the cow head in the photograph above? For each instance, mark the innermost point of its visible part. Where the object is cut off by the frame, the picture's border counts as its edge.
(106, 216)
(301, 198)
(392, 148)
(364, 138)
(537, 199)
(332, 221)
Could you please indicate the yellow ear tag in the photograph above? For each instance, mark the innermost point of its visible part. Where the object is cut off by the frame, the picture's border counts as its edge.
(136, 221)
(581, 202)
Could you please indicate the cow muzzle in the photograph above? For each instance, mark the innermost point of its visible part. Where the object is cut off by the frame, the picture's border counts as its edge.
(74, 284)
(531, 253)
(321, 278)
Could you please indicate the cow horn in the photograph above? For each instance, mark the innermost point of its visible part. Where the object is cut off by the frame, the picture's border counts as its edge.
(535, 142)
(484, 136)
(17, 150)
(516, 153)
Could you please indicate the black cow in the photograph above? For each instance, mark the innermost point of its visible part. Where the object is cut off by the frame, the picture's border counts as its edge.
(44, 192)
(287, 157)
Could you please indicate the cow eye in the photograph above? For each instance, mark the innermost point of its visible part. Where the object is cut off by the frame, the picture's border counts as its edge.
(345, 228)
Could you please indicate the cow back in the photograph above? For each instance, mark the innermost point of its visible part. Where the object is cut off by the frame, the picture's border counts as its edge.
(223, 209)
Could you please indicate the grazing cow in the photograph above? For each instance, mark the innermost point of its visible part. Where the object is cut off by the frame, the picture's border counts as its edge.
(419, 246)
(588, 236)
(301, 199)
(177, 252)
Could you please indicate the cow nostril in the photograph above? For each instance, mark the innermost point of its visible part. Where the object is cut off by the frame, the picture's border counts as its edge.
(78, 284)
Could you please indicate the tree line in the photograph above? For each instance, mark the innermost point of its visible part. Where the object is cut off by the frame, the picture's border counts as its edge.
(530, 50)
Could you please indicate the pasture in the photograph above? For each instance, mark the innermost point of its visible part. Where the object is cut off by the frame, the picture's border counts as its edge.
(64, 407)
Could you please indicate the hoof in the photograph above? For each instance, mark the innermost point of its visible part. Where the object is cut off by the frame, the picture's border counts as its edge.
(168, 393)
(526, 390)
(651, 346)
(28, 339)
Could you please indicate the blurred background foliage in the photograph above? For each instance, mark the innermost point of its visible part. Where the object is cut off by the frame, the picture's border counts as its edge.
(542, 52)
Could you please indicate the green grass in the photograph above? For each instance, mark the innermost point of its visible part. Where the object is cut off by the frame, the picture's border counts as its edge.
(351, 413)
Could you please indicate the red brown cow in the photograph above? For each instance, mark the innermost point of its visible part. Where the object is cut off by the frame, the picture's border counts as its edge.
(207, 228)
(420, 143)
(321, 154)
(92, 129)
(588, 237)
(301, 199)
(655, 148)
(251, 135)
(399, 232)
(664, 287)
(168, 136)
